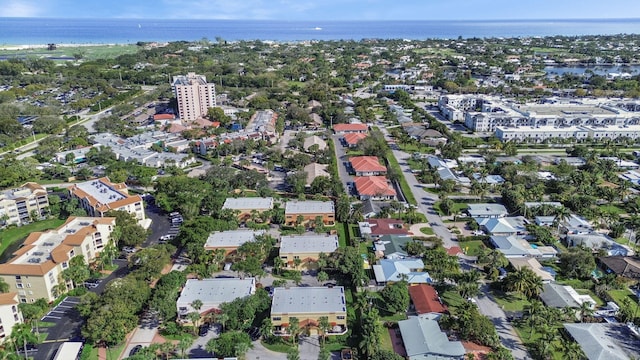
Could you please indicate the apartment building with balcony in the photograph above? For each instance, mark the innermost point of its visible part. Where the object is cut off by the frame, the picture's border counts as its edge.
(100, 196)
(9, 314)
(35, 269)
(308, 305)
(19, 205)
(306, 212)
(194, 95)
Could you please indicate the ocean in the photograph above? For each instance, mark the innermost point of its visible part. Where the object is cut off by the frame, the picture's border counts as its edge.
(32, 31)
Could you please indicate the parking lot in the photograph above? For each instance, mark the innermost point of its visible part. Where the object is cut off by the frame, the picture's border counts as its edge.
(67, 326)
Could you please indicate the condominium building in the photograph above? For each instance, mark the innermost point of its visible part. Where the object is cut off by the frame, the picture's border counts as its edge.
(306, 212)
(303, 251)
(247, 206)
(35, 269)
(100, 196)
(212, 293)
(18, 205)
(541, 133)
(194, 95)
(308, 305)
(9, 314)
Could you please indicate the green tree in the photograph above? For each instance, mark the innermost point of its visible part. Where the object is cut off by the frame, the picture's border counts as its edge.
(293, 354)
(294, 329)
(77, 272)
(523, 281)
(21, 335)
(226, 345)
(396, 297)
(34, 311)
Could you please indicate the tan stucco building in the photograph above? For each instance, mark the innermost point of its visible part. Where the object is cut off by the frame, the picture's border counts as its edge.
(17, 205)
(308, 305)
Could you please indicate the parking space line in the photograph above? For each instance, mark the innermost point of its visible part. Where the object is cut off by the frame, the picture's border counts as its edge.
(65, 307)
(50, 317)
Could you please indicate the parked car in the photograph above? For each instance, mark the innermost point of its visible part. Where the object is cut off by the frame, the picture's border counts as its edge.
(129, 249)
(346, 354)
(204, 330)
(135, 350)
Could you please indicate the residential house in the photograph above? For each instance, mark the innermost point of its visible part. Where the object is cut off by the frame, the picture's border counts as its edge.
(423, 339)
(425, 299)
(246, 207)
(303, 251)
(598, 241)
(504, 226)
(212, 293)
(547, 221)
(625, 266)
(392, 246)
(20, 205)
(308, 305)
(546, 274)
(315, 170)
(374, 187)
(394, 270)
(10, 314)
(372, 208)
(230, 240)
(605, 341)
(487, 210)
(367, 166)
(79, 156)
(513, 247)
(574, 224)
(351, 140)
(100, 196)
(306, 212)
(35, 269)
(376, 228)
(562, 296)
(314, 140)
(350, 128)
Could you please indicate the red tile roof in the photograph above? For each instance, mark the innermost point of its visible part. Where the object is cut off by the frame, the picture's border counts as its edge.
(367, 164)
(455, 250)
(373, 186)
(157, 117)
(350, 127)
(425, 299)
(354, 138)
(381, 227)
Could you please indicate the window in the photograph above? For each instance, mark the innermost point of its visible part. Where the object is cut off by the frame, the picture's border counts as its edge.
(276, 318)
(19, 285)
(65, 265)
(18, 277)
(340, 317)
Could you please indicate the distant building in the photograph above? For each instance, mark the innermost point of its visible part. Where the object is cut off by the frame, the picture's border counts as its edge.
(18, 205)
(350, 128)
(263, 123)
(367, 166)
(10, 315)
(100, 196)
(35, 269)
(308, 211)
(487, 210)
(306, 249)
(308, 305)
(353, 139)
(212, 293)
(376, 228)
(194, 95)
(423, 339)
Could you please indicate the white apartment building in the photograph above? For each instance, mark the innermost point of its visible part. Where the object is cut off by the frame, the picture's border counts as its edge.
(194, 95)
(9, 314)
(17, 205)
(35, 269)
(540, 133)
(100, 196)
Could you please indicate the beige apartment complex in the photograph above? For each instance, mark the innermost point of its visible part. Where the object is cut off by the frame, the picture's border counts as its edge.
(194, 95)
(18, 205)
(100, 196)
(9, 314)
(308, 305)
(35, 269)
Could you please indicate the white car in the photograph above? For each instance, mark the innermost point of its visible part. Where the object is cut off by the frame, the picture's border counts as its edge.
(129, 249)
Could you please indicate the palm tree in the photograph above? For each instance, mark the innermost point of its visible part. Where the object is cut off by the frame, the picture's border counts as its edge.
(585, 310)
(266, 327)
(562, 214)
(294, 328)
(184, 344)
(571, 350)
(22, 335)
(194, 317)
(323, 326)
(241, 349)
(525, 282)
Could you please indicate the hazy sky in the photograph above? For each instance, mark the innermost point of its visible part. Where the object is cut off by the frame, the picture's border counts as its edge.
(324, 9)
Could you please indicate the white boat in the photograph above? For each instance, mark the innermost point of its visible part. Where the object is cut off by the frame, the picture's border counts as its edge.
(317, 28)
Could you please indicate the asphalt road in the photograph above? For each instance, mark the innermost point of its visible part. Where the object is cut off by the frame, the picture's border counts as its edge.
(160, 224)
(68, 323)
(507, 334)
(425, 199)
(341, 157)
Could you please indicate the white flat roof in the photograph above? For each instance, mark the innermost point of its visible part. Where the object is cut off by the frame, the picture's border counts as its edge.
(305, 300)
(257, 203)
(231, 238)
(215, 291)
(308, 244)
(308, 207)
(102, 192)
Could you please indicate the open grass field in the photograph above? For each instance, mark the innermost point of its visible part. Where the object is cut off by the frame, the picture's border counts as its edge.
(89, 52)
(9, 236)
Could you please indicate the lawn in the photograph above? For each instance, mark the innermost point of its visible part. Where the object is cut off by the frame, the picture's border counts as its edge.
(473, 247)
(452, 298)
(524, 332)
(406, 190)
(510, 302)
(612, 209)
(385, 339)
(426, 230)
(457, 207)
(9, 236)
(342, 234)
(618, 295)
(412, 148)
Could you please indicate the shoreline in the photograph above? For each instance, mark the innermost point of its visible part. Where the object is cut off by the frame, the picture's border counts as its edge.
(13, 47)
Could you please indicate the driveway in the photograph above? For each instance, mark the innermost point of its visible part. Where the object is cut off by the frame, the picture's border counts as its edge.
(145, 334)
(425, 199)
(159, 222)
(508, 336)
(67, 326)
(309, 348)
(259, 352)
(341, 157)
(197, 350)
